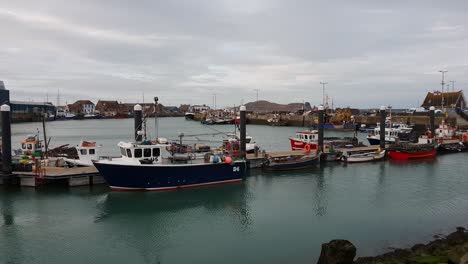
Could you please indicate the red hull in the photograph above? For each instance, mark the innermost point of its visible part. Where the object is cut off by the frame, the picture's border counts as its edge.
(299, 145)
(405, 155)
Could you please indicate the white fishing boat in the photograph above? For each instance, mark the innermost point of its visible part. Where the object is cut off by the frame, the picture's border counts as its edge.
(363, 157)
(392, 134)
(87, 152)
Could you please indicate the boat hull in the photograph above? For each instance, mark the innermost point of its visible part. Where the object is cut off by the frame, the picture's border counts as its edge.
(398, 155)
(298, 165)
(452, 148)
(189, 116)
(373, 156)
(169, 177)
(299, 145)
(376, 141)
(330, 157)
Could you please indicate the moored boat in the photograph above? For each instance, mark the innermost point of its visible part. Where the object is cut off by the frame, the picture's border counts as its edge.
(189, 116)
(412, 151)
(310, 137)
(363, 157)
(153, 167)
(393, 134)
(303, 138)
(277, 121)
(292, 162)
(250, 145)
(87, 152)
(159, 165)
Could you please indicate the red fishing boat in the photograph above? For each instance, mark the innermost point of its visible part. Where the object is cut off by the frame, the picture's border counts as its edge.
(413, 151)
(303, 138)
(310, 137)
(399, 155)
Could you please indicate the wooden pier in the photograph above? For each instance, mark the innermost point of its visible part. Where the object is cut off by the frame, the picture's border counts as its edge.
(77, 176)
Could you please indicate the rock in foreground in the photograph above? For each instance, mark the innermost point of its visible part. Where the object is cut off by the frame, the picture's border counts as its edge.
(337, 252)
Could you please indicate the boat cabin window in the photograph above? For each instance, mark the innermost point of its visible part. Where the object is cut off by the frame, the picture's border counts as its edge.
(247, 140)
(156, 152)
(92, 151)
(129, 153)
(83, 151)
(30, 146)
(23, 146)
(138, 153)
(147, 153)
(122, 151)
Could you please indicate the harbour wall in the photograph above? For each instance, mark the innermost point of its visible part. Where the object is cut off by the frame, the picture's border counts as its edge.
(306, 121)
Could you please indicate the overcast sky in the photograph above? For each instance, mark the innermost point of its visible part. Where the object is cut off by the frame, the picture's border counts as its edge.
(370, 52)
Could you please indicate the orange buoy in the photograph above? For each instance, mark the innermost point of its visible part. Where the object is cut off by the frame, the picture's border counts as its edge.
(307, 149)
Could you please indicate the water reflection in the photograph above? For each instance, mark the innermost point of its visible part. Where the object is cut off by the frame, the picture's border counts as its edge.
(12, 240)
(320, 205)
(230, 198)
(157, 221)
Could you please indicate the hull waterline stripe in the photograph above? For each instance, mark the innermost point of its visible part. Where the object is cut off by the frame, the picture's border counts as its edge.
(116, 188)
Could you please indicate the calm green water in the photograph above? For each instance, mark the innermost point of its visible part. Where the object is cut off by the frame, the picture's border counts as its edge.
(269, 218)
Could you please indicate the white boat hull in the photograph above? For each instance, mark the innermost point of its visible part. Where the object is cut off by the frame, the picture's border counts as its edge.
(80, 163)
(366, 157)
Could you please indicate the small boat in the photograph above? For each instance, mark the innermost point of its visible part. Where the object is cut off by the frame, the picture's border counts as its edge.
(330, 156)
(392, 134)
(303, 138)
(310, 137)
(189, 116)
(277, 121)
(292, 162)
(412, 151)
(452, 147)
(363, 157)
(87, 152)
(31, 145)
(250, 145)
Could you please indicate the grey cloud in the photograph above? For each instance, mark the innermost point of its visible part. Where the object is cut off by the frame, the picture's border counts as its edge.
(370, 52)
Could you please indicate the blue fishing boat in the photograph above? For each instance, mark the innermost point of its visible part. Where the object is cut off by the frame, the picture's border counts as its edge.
(159, 165)
(153, 167)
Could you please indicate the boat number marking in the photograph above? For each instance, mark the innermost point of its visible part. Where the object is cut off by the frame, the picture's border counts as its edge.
(234, 169)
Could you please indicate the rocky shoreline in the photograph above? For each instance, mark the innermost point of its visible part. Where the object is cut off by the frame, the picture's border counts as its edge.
(452, 248)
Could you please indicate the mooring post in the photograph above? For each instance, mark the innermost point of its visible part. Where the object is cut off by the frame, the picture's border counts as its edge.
(6, 139)
(383, 116)
(432, 119)
(138, 115)
(243, 122)
(320, 127)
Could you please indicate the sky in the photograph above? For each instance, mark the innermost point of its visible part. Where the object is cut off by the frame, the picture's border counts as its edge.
(370, 53)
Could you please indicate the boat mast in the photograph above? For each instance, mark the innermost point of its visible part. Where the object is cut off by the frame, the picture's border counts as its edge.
(45, 135)
(156, 99)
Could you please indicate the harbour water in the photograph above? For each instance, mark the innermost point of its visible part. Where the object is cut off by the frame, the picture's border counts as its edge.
(268, 218)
